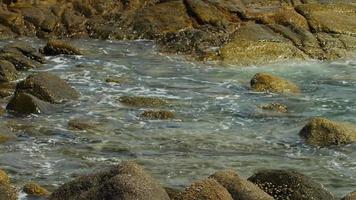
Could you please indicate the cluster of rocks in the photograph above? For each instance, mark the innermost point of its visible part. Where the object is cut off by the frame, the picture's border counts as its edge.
(129, 181)
(233, 31)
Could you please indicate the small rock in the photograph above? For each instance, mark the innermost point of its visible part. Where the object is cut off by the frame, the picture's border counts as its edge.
(57, 47)
(47, 87)
(137, 101)
(157, 114)
(351, 196)
(8, 71)
(208, 189)
(6, 138)
(239, 188)
(118, 80)
(26, 50)
(323, 132)
(4, 178)
(289, 184)
(24, 103)
(33, 189)
(81, 124)
(274, 107)
(264, 82)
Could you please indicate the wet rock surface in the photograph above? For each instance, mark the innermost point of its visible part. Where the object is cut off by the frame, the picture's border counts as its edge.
(140, 101)
(58, 47)
(351, 196)
(264, 82)
(7, 191)
(33, 189)
(241, 32)
(289, 184)
(24, 103)
(157, 114)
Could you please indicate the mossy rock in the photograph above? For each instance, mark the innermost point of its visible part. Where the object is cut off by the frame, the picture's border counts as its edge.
(4, 178)
(33, 189)
(324, 132)
(208, 189)
(264, 82)
(276, 107)
(58, 47)
(140, 101)
(240, 188)
(157, 114)
(351, 196)
(8, 71)
(291, 185)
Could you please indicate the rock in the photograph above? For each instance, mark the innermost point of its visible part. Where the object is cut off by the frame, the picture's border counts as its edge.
(172, 192)
(47, 87)
(8, 71)
(26, 50)
(208, 189)
(126, 181)
(324, 132)
(24, 103)
(57, 47)
(81, 124)
(239, 188)
(6, 138)
(7, 191)
(277, 107)
(20, 61)
(256, 44)
(118, 80)
(33, 189)
(264, 82)
(157, 114)
(289, 184)
(351, 196)
(137, 101)
(7, 89)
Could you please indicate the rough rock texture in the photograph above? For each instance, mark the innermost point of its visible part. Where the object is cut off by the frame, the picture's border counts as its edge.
(24, 103)
(289, 184)
(33, 189)
(7, 191)
(351, 196)
(138, 101)
(8, 71)
(57, 47)
(323, 132)
(276, 107)
(47, 87)
(157, 114)
(264, 82)
(126, 181)
(239, 188)
(208, 189)
(81, 124)
(241, 32)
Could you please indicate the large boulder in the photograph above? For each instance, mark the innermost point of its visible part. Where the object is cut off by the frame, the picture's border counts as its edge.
(208, 189)
(240, 188)
(264, 82)
(126, 181)
(8, 71)
(351, 196)
(24, 103)
(47, 87)
(324, 132)
(291, 185)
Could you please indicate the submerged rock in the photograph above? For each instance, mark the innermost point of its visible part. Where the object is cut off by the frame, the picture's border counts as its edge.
(57, 47)
(157, 114)
(81, 124)
(24, 103)
(264, 82)
(47, 87)
(208, 189)
(239, 188)
(324, 132)
(33, 189)
(6, 138)
(289, 184)
(351, 196)
(8, 71)
(138, 101)
(277, 107)
(126, 181)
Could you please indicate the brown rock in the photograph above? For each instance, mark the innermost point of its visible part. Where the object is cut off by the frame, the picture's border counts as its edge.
(157, 114)
(264, 82)
(8, 71)
(277, 107)
(57, 47)
(33, 189)
(23, 103)
(137, 101)
(351, 196)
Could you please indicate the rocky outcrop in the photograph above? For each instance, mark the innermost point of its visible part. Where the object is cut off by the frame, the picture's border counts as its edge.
(239, 188)
(289, 184)
(264, 82)
(126, 181)
(241, 32)
(324, 132)
(208, 189)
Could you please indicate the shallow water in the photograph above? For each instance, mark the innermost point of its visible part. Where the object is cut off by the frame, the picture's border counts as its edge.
(217, 125)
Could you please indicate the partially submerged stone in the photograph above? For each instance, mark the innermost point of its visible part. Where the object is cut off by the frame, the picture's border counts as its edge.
(240, 188)
(7, 191)
(157, 114)
(6, 138)
(289, 184)
(57, 47)
(20, 61)
(324, 132)
(33, 189)
(264, 82)
(208, 189)
(351, 196)
(140, 101)
(47, 87)
(24, 103)
(276, 107)
(81, 124)
(127, 181)
(8, 71)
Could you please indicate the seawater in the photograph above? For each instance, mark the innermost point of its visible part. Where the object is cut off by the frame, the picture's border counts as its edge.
(218, 124)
